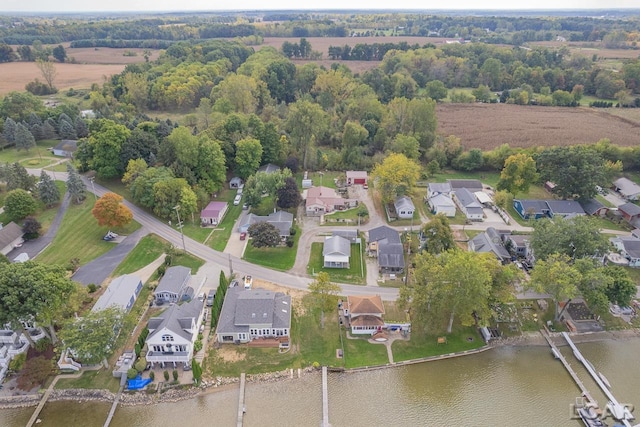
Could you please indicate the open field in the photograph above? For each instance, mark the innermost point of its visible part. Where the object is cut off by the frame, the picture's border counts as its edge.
(107, 55)
(591, 48)
(488, 126)
(15, 75)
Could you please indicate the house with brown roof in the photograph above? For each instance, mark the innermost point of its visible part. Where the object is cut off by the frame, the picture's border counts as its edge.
(365, 314)
(324, 200)
(10, 237)
(213, 213)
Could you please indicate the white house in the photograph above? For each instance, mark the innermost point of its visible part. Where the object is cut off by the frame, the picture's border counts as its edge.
(173, 333)
(122, 292)
(14, 342)
(10, 237)
(213, 213)
(627, 188)
(336, 252)
(404, 207)
(468, 204)
(442, 204)
(435, 188)
(173, 285)
(250, 314)
(629, 248)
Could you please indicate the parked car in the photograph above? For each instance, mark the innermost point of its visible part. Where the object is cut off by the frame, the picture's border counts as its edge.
(243, 235)
(248, 282)
(201, 296)
(245, 206)
(109, 236)
(365, 186)
(236, 200)
(210, 297)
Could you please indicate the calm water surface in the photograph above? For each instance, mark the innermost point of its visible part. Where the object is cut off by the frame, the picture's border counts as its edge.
(521, 386)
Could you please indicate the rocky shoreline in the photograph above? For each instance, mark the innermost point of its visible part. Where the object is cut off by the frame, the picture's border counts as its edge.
(177, 394)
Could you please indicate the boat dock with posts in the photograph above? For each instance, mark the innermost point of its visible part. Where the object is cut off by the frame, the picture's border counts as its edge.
(556, 353)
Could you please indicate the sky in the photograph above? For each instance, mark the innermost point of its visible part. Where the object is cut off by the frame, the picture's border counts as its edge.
(187, 5)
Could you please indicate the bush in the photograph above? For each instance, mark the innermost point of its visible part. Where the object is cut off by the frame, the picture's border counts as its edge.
(141, 364)
(292, 231)
(175, 375)
(42, 345)
(92, 287)
(290, 242)
(137, 349)
(17, 362)
(197, 346)
(152, 375)
(168, 260)
(39, 88)
(166, 375)
(161, 270)
(132, 373)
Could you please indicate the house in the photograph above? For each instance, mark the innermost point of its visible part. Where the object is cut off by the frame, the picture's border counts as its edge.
(594, 207)
(442, 204)
(472, 185)
(565, 208)
(629, 247)
(468, 204)
(65, 148)
(385, 244)
(350, 235)
(269, 168)
(173, 285)
(435, 188)
(336, 252)
(483, 198)
(173, 333)
(519, 245)
(213, 213)
(250, 314)
(10, 237)
(630, 212)
(235, 182)
(122, 292)
(404, 207)
(627, 188)
(13, 343)
(531, 209)
(324, 200)
(282, 220)
(490, 241)
(357, 177)
(365, 314)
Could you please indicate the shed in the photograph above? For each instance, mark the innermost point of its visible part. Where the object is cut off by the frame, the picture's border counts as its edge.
(235, 182)
(404, 207)
(356, 177)
(213, 213)
(442, 204)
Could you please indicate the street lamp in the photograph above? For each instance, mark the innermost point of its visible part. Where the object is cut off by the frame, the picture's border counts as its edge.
(177, 209)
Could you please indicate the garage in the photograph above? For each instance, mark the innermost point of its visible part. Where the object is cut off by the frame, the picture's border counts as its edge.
(356, 177)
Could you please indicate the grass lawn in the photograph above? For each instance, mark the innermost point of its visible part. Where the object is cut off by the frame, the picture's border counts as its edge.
(41, 150)
(353, 274)
(601, 199)
(186, 260)
(326, 179)
(61, 167)
(489, 178)
(279, 258)
(634, 273)
(348, 217)
(264, 208)
(606, 224)
(80, 236)
(220, 237)
(101, 379)
(38, 162)
(146, 251)
(360, 352)
(427, 345)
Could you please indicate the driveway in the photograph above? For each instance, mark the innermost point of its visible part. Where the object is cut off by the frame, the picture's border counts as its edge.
(235, 246)
(614, 198)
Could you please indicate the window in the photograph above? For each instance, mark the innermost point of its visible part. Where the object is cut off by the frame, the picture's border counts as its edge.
(157, 348)
(167, 338)
(181, 348)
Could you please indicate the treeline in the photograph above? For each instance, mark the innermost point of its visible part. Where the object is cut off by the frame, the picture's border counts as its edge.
(129, 44)
(370, 52)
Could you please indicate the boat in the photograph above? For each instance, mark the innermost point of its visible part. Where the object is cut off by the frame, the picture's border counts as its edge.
(590, 418)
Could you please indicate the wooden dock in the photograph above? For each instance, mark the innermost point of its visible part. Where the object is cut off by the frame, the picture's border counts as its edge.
(567, 366)
(241, 408)
(113, 407)
(325, 399)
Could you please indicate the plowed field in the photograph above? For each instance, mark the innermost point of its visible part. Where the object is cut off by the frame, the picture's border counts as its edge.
(487, 126)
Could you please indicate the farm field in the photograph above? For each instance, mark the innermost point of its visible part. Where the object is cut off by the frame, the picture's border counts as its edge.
(15, 75)
(487, 126)
(107, 55)
(591, 48)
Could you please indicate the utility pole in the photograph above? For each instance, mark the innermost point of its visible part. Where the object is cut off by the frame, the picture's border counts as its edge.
(177, 209)
(230, 267)
(93, 187)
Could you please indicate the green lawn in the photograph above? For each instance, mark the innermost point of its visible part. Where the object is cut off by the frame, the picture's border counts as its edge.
(219, 238)
(80, 236)
(146, 251)
(489, 178)
(359, 352)
(601, 199)
(38, 162)
(326, 179)
(427, 345)
(279, 258)
(102, 379)
(348, 217)
(393, 313)
(41, 150)
(356, 273)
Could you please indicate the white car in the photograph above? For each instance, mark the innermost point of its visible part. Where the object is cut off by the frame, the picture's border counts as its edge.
(237, 199)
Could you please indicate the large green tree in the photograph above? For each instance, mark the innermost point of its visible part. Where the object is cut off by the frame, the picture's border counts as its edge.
(306, 123)
(75, 185)
(438, 235)
(248, 157)
(577, 237)
(23, 138)
(324, 292)
(518, 174)
(557, 277)
(395, 176)
(106, 140)
(48, 192)
(19, 204)
(264, 234)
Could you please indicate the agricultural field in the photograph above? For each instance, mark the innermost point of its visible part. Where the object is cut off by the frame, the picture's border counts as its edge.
(107, 55)
(487, 126)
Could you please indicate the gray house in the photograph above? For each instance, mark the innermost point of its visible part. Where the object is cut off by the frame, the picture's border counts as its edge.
(404, 207)
(435, 188)
(65, 148)
(385, 244)
(472, 185)
(468, 204)
(250, 314)
(490, 241)
(173, 285)
(282, 220)
(121, 292)
(627, 188)
(336, 252)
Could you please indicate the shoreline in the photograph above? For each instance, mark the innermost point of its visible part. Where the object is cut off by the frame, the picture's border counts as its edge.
(530, 339)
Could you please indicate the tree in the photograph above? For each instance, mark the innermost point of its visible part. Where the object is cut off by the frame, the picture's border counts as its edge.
(248, 157)
(557, 277)
(168, 194)
(9, 130)
(48, 192)
(137, 87)
(18, 177)
(92, 337)
(436, 90)
(19, 204)
(438, 235)
(482, 93)
(110, 211)
(407, 145)
(75, 186)
(35, 291)
(324, 292)
(518, 174)
(264, 183)
(621, 288)
(503, 199)
(31, 228)
(106, 140)
(48, 71)
(354, 136)
(575, 170)
(23, 138)
(577, 237)
(35, 372)
(66, 130)
(289, 195)
(135, 168)
(395, 176)
(306, 122)
(453, 284)
(264, 234)
(59, 53)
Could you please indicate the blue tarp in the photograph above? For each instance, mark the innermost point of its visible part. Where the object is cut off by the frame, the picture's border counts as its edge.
(137, 383)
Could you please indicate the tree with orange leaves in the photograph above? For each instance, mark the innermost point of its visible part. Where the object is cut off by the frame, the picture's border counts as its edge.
(109, 210)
